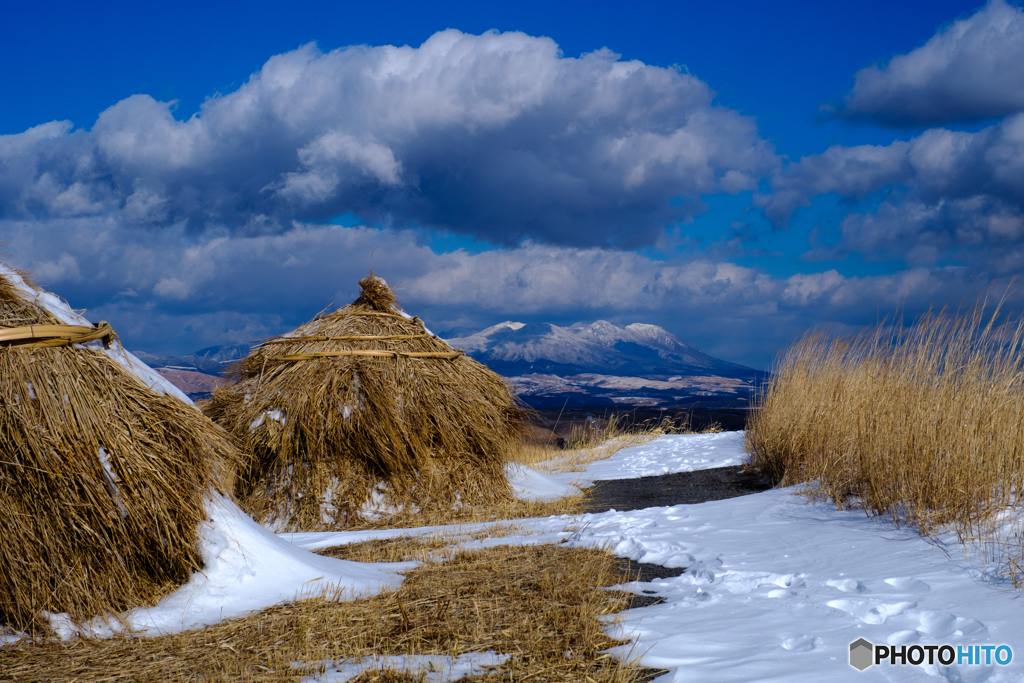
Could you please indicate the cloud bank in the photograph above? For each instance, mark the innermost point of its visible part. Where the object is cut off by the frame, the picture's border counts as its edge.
(496, 136)
(165, 291)
(941, 193)
(971, 70)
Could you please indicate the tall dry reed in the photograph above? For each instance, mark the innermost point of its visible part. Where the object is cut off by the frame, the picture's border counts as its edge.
(925, 424)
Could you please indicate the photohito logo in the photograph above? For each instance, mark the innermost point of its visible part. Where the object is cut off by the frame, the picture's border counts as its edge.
(863, 654)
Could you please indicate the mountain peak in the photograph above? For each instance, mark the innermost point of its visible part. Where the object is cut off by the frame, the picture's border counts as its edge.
(639, 349)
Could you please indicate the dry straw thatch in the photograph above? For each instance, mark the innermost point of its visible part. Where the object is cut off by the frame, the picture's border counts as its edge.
(102, 479)
(364, 404)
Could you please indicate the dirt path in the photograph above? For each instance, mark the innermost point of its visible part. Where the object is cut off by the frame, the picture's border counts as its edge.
(674, 489)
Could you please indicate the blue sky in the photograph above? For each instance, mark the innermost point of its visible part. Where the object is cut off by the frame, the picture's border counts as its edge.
(735, 172)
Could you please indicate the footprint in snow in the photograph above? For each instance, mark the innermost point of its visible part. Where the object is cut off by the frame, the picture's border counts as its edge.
(904, 637)
(943, 625)
(848, 585)
(871, 611)
(801, 643)
(909, 584)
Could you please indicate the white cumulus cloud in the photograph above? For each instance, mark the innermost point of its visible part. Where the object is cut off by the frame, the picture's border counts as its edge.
(498, 136)
(972, 69)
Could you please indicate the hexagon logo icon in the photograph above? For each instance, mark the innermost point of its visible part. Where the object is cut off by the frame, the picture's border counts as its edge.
(861, 654)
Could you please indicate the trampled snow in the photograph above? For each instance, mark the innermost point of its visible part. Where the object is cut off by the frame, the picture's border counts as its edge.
(247, 568)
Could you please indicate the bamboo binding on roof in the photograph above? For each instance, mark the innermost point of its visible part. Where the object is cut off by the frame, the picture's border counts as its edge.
(361, 410)
(102, 479)
(54, 335)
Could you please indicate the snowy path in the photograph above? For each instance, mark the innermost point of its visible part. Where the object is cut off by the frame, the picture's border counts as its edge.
(775, 589)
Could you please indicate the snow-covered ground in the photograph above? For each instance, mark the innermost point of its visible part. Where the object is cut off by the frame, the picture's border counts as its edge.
(665, 455)
(433, 668)
(775, 588)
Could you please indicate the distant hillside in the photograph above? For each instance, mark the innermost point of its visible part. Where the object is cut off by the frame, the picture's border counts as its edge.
(198, 373)
(637, 350)
(212, 360)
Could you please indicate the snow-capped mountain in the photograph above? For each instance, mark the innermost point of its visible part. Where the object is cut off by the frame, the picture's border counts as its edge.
(640, 350)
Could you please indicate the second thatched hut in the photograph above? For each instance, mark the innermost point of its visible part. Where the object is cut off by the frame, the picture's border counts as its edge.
(364, 411)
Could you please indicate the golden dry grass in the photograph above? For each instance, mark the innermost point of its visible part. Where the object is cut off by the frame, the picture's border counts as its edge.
(924, 424)
(328, 432)
(542, 605)
(101, 480)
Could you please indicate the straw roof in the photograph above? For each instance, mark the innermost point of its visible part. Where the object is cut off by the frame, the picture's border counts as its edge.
(102, 479)
(365, 407)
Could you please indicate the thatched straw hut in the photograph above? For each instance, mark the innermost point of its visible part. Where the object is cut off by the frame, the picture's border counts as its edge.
(364, 410)
(102, 478)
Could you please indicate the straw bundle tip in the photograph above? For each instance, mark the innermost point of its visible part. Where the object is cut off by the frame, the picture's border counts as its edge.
(376, 294)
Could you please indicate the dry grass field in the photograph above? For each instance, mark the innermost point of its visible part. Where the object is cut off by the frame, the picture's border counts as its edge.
(924, 424)
(542, 605)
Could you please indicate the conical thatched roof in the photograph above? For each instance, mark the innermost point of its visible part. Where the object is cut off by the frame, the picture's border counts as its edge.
(364, 406)
(102, 478)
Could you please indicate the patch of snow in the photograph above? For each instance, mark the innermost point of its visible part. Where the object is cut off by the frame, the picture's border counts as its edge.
(409, 317)
(112, 479)
(529, 484)
(246, 568)
(433, 668)
(277, 415)
(377, 505)
(8, 635)
(328, 510)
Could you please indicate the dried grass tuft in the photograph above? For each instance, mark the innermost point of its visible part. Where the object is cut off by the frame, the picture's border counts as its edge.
(365, 406)
(374, 293)
(101, 480)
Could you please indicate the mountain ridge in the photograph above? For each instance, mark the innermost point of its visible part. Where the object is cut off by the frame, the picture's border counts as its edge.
(584, 364)
(642, 350)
